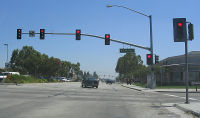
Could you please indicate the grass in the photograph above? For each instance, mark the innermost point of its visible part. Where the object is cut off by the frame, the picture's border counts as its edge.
(167, 87)
(176, 87)
(141, 85)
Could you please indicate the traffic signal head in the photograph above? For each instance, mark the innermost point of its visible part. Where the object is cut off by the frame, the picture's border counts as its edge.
(42, 33)
(107, 39)
(19, 33)
(149, 59)
(78, 34)
(190, 31)
(179, 26)
(156, 59)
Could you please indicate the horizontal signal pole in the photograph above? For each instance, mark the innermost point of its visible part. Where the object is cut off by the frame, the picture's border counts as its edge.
(117, 41)
(90, 35)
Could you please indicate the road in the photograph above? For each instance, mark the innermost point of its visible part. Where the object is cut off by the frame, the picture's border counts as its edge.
(69, 100)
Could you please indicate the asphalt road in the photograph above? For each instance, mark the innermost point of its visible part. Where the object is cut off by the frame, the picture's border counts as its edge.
(69, 100)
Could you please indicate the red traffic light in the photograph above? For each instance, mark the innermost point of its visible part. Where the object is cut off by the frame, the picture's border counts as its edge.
(180, 24)
(149, 59)
(42, 34)
(78, 34)
(107, 36)
(77, 31)
(41, 30)
(107, 39)
(148, 56)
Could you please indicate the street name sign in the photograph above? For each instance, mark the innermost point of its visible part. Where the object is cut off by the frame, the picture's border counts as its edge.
(124, 50)
(31, 33)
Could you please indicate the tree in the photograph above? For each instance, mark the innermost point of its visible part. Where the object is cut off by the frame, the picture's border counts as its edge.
(131, 66)
(127, 64)
(25, 60)
(84, 75)
(95, 75)
(29, 61)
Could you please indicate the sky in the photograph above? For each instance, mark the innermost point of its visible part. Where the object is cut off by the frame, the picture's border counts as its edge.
(93, 17)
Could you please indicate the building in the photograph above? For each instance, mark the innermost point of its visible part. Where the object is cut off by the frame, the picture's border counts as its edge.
(173, 69)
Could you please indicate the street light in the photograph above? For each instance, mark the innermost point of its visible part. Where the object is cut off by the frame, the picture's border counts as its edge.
(151, 35)
(7, 52)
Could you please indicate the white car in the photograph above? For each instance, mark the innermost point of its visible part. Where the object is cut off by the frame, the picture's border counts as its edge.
(64, 79)
(5, 74)
(69, 79)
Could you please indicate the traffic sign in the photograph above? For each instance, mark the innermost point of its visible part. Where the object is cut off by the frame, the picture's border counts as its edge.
(31, 33)
(129, 50)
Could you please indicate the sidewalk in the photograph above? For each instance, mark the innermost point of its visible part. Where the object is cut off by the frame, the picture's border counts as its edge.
(193, 108)
(138, 88)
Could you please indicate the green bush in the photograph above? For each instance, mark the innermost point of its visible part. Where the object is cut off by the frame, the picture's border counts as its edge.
(26, 79)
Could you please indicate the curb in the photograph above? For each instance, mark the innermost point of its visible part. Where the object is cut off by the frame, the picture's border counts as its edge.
(131, 88)
(176, 91)
(7, 84)
(11, 84)
(187, 110)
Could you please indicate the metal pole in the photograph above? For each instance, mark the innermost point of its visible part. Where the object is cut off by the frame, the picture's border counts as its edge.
(161, 76)
(151, 47)
(186, 70)
(7, 54)
(7, 51)
(151, 39)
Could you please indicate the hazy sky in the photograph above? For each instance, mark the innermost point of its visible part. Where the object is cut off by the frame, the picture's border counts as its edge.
(92, 17)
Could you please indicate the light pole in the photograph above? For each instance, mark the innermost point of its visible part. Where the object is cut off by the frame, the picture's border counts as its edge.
(151, 37)
(7, 52)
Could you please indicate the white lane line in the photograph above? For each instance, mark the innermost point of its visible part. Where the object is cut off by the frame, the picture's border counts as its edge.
(181, 97)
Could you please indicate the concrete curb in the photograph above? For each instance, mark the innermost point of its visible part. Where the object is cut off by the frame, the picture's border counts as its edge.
(131, 88)
(187, 110)
(175, 91)
(11, 84)
(7, 84)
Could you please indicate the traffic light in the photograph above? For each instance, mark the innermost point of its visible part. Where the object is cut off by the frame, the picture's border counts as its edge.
(190, 31)
(179, 26)
(107, 39)
(156, 59)
(42, 33)
(149, 59)
(78, 34)
(19, 33)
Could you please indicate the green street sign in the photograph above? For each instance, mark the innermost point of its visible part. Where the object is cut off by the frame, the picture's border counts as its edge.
(129, 50)
(31, 33)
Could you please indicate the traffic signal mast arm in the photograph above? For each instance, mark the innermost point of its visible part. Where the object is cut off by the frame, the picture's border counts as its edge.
(90, 35)
(118, 41)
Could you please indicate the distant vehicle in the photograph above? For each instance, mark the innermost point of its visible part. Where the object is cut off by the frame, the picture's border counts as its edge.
(90, 82)
(6, 74)
(59, 79)
(69, 79)
(109, 81)
(64, 79)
